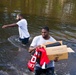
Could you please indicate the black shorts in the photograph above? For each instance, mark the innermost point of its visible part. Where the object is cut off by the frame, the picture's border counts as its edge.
(48, 71)
(24, 41)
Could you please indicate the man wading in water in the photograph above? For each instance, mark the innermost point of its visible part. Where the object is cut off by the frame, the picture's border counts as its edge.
(22, 27)
(37, 41)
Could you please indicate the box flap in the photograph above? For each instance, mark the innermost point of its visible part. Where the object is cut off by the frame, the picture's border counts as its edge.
(70, 50)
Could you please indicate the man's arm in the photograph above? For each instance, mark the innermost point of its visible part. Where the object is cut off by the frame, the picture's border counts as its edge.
(9, 25)
(31, 49)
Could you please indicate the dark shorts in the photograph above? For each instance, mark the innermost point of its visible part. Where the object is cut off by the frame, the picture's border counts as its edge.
(48, 71)
(24, 41)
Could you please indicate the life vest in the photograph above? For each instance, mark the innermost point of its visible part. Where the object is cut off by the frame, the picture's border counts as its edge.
(43, 58)
(32, 62)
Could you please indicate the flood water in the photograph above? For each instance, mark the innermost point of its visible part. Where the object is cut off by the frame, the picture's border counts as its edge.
(58, 15)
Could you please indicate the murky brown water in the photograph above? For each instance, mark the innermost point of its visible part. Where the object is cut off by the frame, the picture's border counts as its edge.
(59, 15)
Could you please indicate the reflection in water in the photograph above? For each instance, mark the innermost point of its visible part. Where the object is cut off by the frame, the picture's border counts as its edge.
(47, 8)
(59, 15)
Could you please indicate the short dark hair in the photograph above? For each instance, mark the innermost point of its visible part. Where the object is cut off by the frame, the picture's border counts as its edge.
(46, 28)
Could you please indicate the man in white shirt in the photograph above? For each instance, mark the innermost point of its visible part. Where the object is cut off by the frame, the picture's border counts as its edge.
(37, 41)
(22, 27)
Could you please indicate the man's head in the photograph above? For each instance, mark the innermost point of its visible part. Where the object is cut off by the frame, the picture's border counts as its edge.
(45, 32)
(19, 17)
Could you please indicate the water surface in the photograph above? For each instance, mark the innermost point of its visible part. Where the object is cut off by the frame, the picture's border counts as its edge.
(58, 15)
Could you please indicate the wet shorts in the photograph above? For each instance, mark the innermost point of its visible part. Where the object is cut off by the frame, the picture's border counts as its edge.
(24, 41)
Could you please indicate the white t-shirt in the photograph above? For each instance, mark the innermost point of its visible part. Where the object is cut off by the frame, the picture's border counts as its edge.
(38, 40)
(23, 30)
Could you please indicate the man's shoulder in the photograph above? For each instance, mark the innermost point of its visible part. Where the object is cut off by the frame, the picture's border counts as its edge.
(39, 36)
(52, 39)
(23, 20)
(20, 22)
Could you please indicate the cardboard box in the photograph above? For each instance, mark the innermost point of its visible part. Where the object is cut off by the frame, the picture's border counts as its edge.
(60, 52)
(52, 42)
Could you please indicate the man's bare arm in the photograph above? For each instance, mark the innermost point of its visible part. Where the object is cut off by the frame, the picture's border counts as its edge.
(9, 25)
(31, 49)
